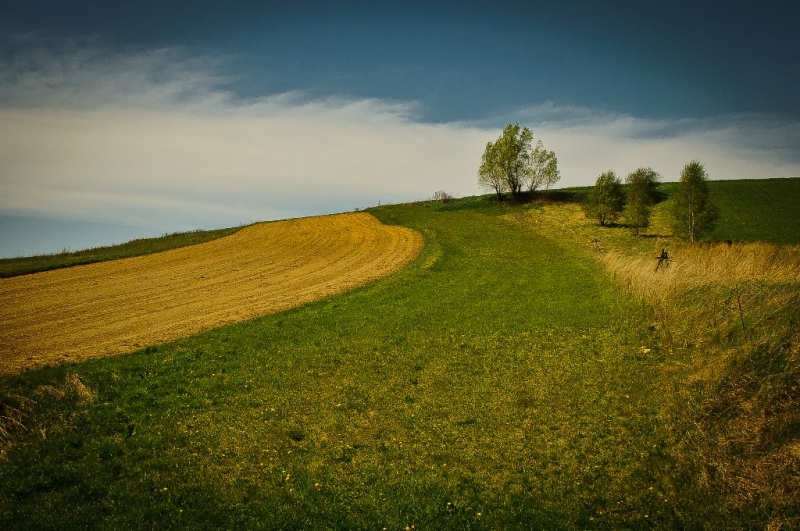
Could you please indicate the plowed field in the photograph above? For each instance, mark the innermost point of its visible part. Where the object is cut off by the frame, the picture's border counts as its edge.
(116, 307)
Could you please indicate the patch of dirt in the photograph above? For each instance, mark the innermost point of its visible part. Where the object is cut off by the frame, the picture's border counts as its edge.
(116, 307)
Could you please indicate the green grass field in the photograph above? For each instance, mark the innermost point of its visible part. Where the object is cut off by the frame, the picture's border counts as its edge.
(11, 267)
(754, 210)
(502, 381)
(771, 211)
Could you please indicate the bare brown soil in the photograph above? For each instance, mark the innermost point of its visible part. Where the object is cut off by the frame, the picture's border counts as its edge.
(120, 306)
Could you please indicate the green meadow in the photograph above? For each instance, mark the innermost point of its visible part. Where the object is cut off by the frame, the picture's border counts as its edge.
(755, 209)
(504, 380)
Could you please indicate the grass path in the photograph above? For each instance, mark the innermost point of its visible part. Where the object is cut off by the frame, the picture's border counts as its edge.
(497, 382)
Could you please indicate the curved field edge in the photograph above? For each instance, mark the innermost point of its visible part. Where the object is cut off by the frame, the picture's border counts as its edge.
(12, 267)
(114, 307)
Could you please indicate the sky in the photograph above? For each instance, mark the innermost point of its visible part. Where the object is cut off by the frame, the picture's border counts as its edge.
(124, 119)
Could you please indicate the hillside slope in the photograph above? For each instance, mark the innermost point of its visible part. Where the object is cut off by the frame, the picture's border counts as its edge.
(514, 376)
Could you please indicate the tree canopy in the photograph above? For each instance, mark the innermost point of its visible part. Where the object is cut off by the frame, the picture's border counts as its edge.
(606, 199)
(642, 195)
(509, 164)
(693, 213)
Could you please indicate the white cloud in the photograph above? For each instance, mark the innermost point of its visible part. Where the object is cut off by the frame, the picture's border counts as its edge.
(240, 163)
(151, 138)
(590, 142)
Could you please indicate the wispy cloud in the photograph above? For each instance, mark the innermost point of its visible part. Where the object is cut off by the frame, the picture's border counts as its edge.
(155, 137)
(81, 73)
(148, 137)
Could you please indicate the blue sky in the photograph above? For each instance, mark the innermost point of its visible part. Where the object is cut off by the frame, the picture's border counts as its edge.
(176, 115)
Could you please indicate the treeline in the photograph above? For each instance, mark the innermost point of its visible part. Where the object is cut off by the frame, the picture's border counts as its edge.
(692, 213)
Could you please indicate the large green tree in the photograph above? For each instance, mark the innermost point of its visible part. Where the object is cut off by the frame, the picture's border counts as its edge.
(642, 194)
(693, 213)
(505, 165)
(543, 168)
(606, 199)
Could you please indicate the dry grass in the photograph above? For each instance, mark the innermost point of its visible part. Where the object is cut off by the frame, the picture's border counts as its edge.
(711, 293)
(13, 410)
(695, 265)
(18, 414)
(75, 387)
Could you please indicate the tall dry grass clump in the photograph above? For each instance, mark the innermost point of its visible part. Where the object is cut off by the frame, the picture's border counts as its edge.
(76, 388)
(23, 415)
(13, 410)
(730, 313)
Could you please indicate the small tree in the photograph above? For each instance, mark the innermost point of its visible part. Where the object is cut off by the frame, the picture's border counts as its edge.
(442, 196)
(693, 213)
(605, 200)
(642, 195)
(505, 163)
(543, 168)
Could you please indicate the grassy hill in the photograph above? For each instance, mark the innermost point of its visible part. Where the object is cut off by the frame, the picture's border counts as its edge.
(512, 377)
